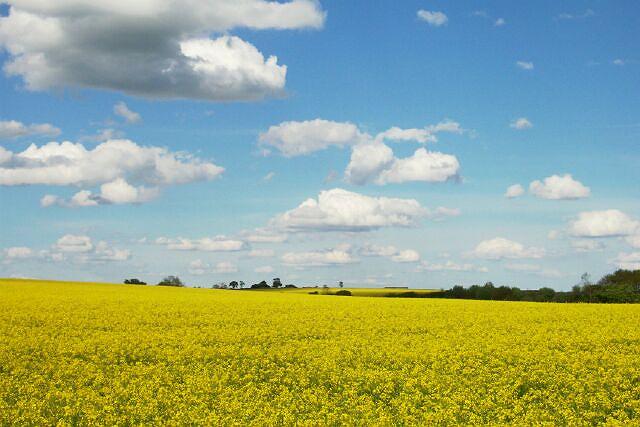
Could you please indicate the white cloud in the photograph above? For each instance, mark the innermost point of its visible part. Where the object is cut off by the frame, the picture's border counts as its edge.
(67, 163)
(525, 65)
(407, 255)
(421, 135)
(521, 123)
(5, 155)
(123, 111)
(205, 244)
(261, 253)
(442, 212)
(74, 243)
(368, 161)
(116, 192)
(435, 19)
(606, 223)
(587, 245)
(113, 164)
(628, 261)
(335, 256)
(391, 252)
(342, 210)
(375, 162)
(634, 240)
(558, 187)
(570, 16)
(225, 267)
(450, 266)
(515, 190)
(264, 235)
(264, 269)
(15, 129)
(427, 166)
(104, 252)
(198, 267)
(17, 252)
(501, 248)
(378, 250)
(268, 177)
(146, 48)
(302, 138)
(294, 138)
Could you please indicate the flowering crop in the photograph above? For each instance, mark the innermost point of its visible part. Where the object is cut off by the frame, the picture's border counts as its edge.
(107, 354)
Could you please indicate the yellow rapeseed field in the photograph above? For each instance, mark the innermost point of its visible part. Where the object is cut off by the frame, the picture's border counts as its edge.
(108, 354)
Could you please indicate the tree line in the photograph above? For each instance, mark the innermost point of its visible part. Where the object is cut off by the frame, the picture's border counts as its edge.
(622, 286)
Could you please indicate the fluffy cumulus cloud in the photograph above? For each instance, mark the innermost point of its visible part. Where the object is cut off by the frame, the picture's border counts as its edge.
(559, 187)
(336, 256)
(114, 164)
(521, 123)
(295, 138)
(82, 249)
(513, 191)
(450, 266)
(15, 129)
(74, 243)
(423, 165)
(606, 223)
(151, 48)
(121, 109)
(391, 252)
(501, 248)
(116, 192)
(302, 138)
(205, 244)
(433, 18)
(371, 159)
(342, 210)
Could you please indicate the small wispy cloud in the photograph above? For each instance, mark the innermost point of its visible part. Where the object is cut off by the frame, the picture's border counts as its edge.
(571, 16)
(433, 18)
(525, 65)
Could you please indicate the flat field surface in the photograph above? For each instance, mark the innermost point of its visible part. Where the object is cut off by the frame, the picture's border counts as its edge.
(113, 354)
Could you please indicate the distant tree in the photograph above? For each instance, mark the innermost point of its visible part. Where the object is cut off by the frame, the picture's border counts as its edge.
(233, 284)
(277, 283)
(134, 282)
(262, 285)
(546, 294)
(171, 281)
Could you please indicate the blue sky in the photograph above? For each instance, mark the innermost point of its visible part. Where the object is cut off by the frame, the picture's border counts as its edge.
(486, 95)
